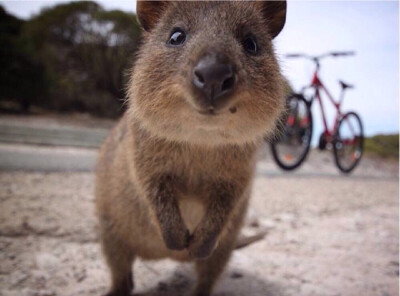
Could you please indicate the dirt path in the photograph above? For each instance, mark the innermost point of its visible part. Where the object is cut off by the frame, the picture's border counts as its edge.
(328, 235)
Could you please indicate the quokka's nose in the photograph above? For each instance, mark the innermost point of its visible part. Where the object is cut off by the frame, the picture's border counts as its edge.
(213, 79)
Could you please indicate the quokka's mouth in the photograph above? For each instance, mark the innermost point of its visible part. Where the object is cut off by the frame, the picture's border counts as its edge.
(213, 112)
(208, 112)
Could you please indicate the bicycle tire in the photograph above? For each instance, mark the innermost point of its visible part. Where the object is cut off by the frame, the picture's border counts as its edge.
(274, 145)
(337, 140)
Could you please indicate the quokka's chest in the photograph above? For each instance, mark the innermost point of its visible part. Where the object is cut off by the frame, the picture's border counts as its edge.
(192, 209)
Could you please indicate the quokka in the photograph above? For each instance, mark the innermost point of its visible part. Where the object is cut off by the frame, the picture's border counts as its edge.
(174, 176)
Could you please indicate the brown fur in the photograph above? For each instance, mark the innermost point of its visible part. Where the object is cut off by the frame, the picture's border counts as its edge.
(172, 182)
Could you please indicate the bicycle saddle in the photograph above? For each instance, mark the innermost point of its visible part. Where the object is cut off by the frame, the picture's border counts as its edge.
(345, 85)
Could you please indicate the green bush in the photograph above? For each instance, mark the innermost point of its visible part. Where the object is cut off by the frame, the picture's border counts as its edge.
(75, 55)
(386, 146)
(21, 77)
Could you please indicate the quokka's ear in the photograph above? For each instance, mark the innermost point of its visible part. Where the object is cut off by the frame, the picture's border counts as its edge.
(275, 14)
(149, 12)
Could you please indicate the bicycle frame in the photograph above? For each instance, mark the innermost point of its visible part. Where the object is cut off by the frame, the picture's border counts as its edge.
(319, 87)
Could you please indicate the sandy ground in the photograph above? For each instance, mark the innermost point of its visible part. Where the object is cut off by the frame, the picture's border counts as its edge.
(328, 234)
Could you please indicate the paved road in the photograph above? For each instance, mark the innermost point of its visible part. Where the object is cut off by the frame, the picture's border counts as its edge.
(46, 158)
(17, 157)
(50, 144)
(52, 134)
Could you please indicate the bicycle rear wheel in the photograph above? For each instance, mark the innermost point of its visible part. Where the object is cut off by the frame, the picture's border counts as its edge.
(348, 142)
(293, 144)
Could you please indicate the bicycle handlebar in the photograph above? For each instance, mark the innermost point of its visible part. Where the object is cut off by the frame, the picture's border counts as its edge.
(343, 53)
(317, 58)
(294, 55)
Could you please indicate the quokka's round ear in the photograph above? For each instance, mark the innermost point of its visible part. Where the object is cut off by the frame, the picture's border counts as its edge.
(275, 15)
(149, 12)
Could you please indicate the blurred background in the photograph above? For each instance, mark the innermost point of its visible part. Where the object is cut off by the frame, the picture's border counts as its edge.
(63, 70)
(72, 57)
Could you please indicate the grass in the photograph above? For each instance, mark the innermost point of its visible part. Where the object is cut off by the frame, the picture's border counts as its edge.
(386, 146)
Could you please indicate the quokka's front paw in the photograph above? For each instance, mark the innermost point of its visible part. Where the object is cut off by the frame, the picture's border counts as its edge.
(176, 237)
(201, 247)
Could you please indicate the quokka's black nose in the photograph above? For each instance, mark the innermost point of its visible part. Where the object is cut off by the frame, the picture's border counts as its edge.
(213, 79)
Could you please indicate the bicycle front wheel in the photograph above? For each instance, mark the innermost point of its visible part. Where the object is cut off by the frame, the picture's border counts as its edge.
(292, 147)
(348, 142)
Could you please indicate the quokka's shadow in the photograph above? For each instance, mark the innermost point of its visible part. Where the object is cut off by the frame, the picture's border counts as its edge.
(233, 282)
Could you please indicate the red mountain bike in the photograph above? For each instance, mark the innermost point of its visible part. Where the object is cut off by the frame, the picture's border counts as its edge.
(345, 137)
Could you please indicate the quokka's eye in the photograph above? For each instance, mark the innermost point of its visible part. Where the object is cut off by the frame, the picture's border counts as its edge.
(250, 44)
(177, 38)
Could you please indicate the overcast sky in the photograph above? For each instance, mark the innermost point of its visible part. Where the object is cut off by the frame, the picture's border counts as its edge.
(370, 28)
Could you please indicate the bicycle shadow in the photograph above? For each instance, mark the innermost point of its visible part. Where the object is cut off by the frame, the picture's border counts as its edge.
(234, 282)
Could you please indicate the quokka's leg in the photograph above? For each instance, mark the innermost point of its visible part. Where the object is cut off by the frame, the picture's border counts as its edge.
(119, 258)
(208, 270)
